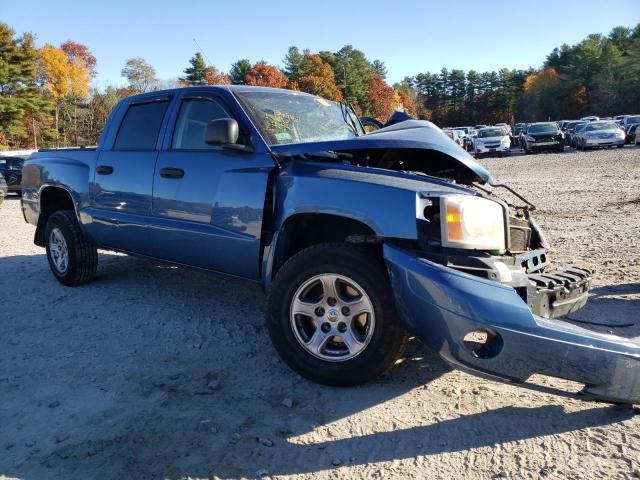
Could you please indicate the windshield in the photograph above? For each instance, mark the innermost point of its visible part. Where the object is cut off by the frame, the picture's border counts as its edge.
(543, 128)
(490, 132)
(601, 126)
(292, 117)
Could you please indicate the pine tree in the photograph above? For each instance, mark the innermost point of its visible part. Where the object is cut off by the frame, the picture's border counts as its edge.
(195, 74)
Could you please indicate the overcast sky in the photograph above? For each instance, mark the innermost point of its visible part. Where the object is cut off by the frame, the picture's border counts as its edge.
(408, 36)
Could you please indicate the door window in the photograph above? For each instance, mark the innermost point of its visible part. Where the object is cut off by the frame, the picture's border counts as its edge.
(195, 114)
(141, 125)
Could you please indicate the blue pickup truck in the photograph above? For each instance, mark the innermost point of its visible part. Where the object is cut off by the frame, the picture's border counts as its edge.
(359, 239)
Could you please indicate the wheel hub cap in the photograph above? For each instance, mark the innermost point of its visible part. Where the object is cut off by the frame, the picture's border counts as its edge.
(59, 251)
(332, 317)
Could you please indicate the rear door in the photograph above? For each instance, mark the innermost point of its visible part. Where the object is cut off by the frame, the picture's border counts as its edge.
(123, 180)
(208, 201)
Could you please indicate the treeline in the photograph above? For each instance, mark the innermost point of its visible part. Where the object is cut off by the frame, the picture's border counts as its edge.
(46, 98)
(600, 75)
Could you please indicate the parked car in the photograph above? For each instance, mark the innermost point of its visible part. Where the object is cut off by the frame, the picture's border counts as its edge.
(518, 128)
(358, 238)
(3, 189)
(11, 170)
(491, 141)
(590, 118)
(600, 134)
(576, 132)
(454, 135)
(568, 131)
(637, 142)
(627, 123)
(543, 136)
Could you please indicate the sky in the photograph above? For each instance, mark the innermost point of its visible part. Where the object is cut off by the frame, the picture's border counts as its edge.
(409, 36)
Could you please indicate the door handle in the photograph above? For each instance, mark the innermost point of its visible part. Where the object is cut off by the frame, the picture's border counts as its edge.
(171, 173)
(104, 170)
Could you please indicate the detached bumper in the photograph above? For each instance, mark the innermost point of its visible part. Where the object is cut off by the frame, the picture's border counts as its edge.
(442, 306)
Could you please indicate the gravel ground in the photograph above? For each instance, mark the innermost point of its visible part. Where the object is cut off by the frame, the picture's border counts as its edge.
(159, 372)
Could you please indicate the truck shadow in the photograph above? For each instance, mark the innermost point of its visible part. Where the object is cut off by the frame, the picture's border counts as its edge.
(130, 360)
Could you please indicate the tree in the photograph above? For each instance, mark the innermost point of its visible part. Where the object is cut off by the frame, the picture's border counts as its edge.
(319, 79)
(79, 53)
(380, 69)
(140, 75)
(384, 100)
(296, 64)
(265, 75)
(56, 76)
(213, 76)
(194, 75)
(353, 74)
(19, 95)
(239, 70)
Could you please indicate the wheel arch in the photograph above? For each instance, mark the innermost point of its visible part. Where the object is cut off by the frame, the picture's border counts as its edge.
(302, 230)
(52, 198)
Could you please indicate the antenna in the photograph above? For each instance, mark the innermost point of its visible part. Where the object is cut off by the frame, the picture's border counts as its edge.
(224, 81)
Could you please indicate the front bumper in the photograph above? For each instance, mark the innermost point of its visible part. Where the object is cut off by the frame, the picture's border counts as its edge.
(554, 145)
(603, 142)
(442, 306)
(491, 150)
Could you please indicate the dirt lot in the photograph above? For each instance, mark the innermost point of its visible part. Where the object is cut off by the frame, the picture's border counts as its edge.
(159, 372)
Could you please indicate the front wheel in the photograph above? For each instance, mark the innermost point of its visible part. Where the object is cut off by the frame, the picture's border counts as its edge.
(332, 316)
(73, 258)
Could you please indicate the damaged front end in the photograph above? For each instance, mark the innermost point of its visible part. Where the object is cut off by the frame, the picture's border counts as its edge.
(494, 313)
(445, 308)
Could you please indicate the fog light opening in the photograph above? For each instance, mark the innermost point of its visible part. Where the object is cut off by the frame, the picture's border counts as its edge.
(483, 343)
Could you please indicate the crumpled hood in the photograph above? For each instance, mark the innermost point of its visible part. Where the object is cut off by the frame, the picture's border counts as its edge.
(410, 134)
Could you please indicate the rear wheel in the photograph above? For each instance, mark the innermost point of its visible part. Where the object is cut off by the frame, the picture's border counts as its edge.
(332, 316)
(72, 258)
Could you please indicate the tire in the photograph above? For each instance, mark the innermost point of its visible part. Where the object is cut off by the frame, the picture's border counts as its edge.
(64, 239)
(333, 263)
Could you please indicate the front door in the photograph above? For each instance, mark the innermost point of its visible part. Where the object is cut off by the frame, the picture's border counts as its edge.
(207, 200)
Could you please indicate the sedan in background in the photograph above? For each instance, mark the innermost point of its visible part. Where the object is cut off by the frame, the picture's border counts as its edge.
(491, 141)
(454, 135)
(543, 136)
(11, 170)
(600, 134)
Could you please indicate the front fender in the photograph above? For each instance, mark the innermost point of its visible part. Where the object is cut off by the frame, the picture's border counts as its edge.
(441, 306)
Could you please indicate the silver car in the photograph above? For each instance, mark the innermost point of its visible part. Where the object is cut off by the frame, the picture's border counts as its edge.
(600, 134)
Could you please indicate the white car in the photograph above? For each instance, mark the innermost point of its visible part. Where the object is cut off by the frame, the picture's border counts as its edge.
(590, 118)
(491, 141)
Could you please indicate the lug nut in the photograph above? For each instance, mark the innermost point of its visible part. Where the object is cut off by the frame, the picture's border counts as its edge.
(342, 327)
(325, 327)
(319, 311)
(346, 311)
(332, 301)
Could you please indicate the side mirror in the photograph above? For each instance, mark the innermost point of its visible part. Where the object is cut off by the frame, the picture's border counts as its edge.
(224, 131)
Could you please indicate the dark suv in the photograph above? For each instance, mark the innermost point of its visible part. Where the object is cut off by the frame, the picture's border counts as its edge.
(543, 136)
(11, 170)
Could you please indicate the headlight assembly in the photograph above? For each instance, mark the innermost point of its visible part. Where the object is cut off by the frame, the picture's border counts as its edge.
(472, 222)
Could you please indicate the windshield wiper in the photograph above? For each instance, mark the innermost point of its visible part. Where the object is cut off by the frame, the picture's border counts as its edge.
(348, 120)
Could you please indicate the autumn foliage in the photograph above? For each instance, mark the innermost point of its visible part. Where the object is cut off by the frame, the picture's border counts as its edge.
(318, 79)
(265, 75)
(384, 99)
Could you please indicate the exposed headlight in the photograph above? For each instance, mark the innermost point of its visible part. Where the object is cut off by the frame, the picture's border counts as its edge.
(620, 134)
(505, 141)
(472, 222)
(530, 138)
